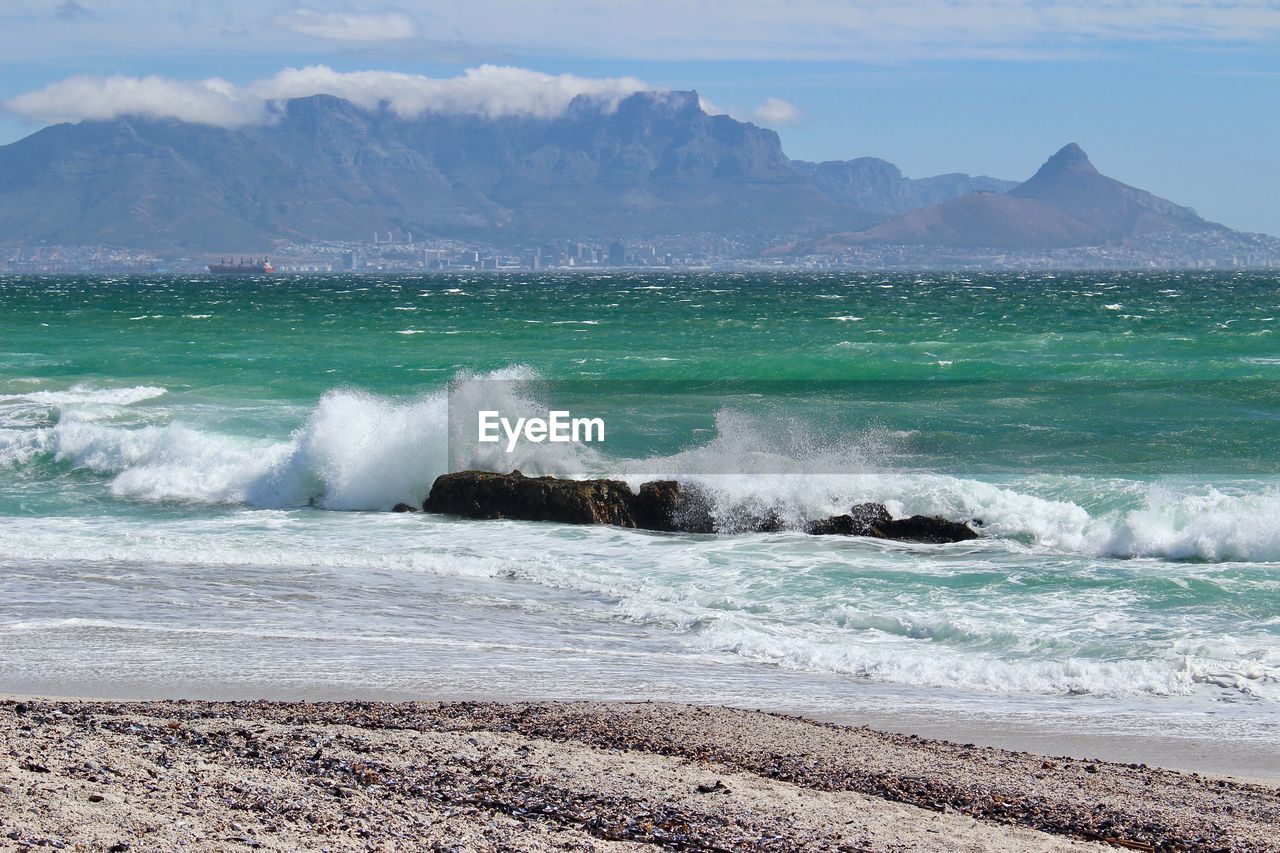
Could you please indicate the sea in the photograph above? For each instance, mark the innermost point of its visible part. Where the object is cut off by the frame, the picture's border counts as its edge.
(196, 473)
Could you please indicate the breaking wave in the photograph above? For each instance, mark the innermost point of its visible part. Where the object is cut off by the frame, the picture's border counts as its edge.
(356, 451)
(361, 451)
(789, 601)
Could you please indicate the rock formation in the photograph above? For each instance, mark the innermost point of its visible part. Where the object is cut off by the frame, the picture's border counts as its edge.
(483, 494)
(875, 521)
(661, 505)
(673, 507)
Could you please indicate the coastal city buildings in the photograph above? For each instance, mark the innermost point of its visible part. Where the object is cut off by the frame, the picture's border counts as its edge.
(407, 253)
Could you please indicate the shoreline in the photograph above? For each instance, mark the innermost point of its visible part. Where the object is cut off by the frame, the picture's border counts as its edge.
(556, 775)
(1169, 738)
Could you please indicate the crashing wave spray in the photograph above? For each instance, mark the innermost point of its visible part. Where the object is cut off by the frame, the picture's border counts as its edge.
(360, 451)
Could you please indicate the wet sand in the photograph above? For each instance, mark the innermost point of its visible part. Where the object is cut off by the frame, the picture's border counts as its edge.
(483, 776)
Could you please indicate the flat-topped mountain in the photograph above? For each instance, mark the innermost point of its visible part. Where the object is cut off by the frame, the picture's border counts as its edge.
(1067, 203)
(326, 169)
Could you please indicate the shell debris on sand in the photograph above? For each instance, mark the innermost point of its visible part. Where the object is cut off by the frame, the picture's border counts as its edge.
(571, 776)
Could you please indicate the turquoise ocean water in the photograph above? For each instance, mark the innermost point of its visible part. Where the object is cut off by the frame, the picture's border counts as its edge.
(192, 474)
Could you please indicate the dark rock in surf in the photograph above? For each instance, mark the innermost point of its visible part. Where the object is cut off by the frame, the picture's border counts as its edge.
(836, 525)
(770, 521)
(662, 505)
(862, 520)
(752, 516)
(673, 507)
(870, 515)
(404, 508)
(928, 529)
(874, 520)
(483, 494)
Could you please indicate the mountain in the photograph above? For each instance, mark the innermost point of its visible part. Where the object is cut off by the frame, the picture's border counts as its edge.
(1069, 181)
(325, 169)
(877, 186)
(988, 220)
(1066, 204)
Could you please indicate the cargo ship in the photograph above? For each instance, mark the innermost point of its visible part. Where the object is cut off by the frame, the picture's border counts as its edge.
(246, 266)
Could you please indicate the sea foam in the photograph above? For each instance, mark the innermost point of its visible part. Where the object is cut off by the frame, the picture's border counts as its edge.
(361, 451)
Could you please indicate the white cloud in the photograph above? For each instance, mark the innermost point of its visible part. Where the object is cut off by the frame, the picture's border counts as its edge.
(877, 30)
(348, 26)
(213, 101)
(489, 90)
(775, 112)
(873, 30)
(710, 108)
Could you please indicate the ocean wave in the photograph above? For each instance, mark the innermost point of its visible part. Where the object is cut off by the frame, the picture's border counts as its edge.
(940, 666)
(21, 446)
(966, 622)
(361, 451)
(79, 395)
(356, 451)
(41, 407)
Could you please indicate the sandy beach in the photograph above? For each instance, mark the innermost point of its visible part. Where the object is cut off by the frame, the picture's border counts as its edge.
(168, 775)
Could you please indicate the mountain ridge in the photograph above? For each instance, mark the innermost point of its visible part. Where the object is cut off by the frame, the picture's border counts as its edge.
(327, 169)
(648, 165)
(1067, 203)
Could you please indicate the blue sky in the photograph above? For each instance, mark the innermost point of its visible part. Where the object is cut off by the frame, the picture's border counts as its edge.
(1180, 98)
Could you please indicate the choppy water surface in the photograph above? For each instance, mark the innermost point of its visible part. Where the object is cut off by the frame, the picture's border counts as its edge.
(188, 470)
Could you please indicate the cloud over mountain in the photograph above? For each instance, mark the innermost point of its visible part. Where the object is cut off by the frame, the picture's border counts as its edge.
(488, 91)
(775, 112)
(213, 101)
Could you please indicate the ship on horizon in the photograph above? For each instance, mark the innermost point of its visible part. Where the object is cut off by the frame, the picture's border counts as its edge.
(245, 266)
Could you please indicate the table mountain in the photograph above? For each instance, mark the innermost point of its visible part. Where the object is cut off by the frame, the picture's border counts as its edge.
(327, 169)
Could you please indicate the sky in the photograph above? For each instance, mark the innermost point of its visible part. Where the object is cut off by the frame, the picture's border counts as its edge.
(1178, 97)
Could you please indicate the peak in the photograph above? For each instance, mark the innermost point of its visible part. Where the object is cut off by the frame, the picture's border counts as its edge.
(1071, 152)
(1070, 158)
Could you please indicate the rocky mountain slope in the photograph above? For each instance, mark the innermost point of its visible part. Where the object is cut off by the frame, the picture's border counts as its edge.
(327, 169)
(1067, 203)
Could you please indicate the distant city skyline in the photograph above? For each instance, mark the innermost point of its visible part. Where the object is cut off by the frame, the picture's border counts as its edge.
(1175, 97)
